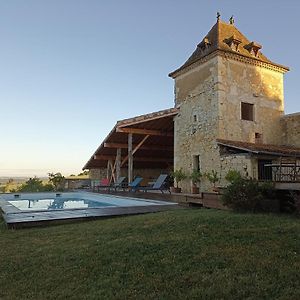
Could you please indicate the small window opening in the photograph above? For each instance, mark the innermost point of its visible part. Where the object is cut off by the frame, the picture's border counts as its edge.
(258, 138)
(196, 162)
(195, 118)
(247, 111)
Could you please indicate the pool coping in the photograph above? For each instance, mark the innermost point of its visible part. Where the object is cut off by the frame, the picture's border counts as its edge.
(15, 218)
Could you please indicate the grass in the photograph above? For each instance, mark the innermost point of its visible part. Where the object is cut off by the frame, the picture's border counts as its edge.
(181, 254)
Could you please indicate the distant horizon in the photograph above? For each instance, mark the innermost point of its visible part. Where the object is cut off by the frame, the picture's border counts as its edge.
(7, 173)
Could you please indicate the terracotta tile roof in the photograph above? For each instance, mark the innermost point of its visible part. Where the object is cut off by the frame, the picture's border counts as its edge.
(150, 116)
(220, 37)
(261, 148)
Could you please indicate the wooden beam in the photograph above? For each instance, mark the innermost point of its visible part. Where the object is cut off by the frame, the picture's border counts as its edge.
(135, 149)
(130, 158)
(137, 158)
(145, 131)
(104, 157)
(153, 159)
(109, 170)
(143, 147)
(138, 146)
(118, 163)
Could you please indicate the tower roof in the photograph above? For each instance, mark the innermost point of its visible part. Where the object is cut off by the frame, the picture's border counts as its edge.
(226, 38)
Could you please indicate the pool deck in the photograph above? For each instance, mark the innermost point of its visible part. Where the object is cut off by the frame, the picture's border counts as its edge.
(16, 219)
(206, 200)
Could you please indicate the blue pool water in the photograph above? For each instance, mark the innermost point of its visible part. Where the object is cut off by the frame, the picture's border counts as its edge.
(56, 203)
(25, 202)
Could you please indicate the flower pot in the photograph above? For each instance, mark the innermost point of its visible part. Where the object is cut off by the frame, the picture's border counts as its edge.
(216, 189)
(195, 190)
(175, 189)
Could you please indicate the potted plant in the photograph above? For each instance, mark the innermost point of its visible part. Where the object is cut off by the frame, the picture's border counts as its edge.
(213, 178)
(196, 178)
(178, 176)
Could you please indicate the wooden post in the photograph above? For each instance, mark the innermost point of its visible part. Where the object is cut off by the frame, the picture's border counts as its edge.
(130, 158)
(107, 169)
(110, 170)
(118, 163)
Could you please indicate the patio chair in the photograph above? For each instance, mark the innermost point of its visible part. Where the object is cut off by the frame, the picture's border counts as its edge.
(104, 183)
(119, 183)
(159, 185)
(135, 184)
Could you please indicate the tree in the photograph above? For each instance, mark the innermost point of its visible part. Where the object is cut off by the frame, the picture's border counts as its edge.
(9, 186)
(86, 172)
(57, 180)
(34, 185)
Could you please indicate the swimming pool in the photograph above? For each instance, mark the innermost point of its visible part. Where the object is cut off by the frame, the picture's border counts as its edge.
(26, 209)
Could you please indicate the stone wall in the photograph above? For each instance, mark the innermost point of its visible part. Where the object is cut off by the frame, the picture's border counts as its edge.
(243, 82)
(209, 97)
(97, 174)
(195, 126)
(243, 163)
(291, 130)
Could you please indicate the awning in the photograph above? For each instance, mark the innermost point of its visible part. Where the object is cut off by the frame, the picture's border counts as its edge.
(261, 148)
(152, 142)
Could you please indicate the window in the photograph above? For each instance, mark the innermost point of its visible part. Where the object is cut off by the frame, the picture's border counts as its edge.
(196, 162)
(258, 138)
(247, 111)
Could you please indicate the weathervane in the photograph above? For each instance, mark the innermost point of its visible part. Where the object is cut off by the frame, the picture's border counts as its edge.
(231, 20)
(218, 16)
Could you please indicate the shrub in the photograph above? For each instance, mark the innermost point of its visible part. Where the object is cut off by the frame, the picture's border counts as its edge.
(249, 195)
(295, 202)
(35, 185)
(233, 176)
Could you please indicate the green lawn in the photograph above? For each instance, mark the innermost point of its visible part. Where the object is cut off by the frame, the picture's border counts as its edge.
(181, 254)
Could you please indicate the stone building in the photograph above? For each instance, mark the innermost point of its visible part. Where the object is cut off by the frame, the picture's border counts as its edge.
(229, 114)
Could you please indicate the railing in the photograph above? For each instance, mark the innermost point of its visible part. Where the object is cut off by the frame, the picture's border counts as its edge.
(281, 173)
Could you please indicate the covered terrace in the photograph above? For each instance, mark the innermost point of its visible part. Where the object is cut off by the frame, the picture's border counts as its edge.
(276, 163)
(139, 145)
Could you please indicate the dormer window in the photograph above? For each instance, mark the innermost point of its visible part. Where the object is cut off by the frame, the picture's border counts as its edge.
(233, 43)
(253, 48)
(205, 44)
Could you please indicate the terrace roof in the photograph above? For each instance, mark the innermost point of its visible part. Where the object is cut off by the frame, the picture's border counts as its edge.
(261, 148)
(153, 142)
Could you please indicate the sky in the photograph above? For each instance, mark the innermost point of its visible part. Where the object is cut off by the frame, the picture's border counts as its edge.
(69, 69)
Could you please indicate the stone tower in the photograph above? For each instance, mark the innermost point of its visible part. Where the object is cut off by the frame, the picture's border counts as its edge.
(228, 90)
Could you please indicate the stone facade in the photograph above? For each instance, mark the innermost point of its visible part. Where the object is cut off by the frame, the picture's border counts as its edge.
(210, 93)
(97, 174)
(196, 125)
(244, 82)
(291, 129)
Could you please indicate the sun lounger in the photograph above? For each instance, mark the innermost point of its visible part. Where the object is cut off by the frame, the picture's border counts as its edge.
(135, 184)
(104, 183)
(118, 184)
(159, 185)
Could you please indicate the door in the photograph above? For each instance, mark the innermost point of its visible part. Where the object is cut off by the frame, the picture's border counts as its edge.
(264, 172)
